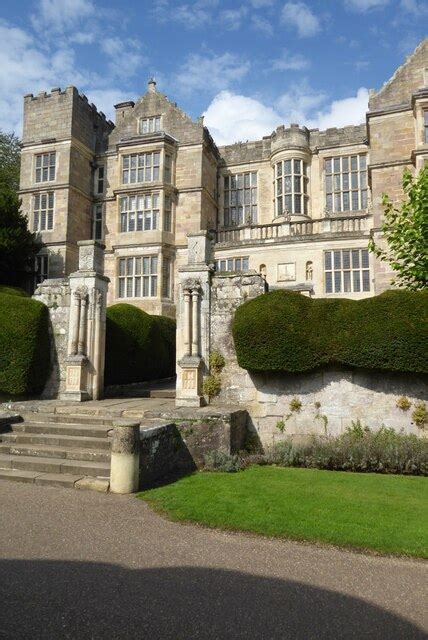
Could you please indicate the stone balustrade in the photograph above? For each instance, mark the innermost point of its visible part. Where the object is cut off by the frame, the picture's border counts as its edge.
(281, 231)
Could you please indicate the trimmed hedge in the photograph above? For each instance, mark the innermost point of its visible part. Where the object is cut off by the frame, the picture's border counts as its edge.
(286, 331)
(13, 291)
(139, 346)
(24, 345)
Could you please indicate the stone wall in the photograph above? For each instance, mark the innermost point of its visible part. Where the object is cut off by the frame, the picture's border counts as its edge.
(330, 399)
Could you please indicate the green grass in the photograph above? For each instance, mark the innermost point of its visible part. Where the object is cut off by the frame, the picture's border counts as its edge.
(382, 513)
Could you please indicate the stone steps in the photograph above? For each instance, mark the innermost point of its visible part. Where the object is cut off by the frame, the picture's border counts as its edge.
(58, 450)
(63, 429)
(54, 465)
(50, 451)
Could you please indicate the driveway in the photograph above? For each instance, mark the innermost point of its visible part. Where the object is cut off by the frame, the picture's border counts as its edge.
(80, 565)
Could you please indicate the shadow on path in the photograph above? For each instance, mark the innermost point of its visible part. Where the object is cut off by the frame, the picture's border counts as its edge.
(79, 600)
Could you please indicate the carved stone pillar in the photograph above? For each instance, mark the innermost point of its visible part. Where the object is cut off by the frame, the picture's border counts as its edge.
(187, 322)
(195, 322)
(193, 308)
(84, 377)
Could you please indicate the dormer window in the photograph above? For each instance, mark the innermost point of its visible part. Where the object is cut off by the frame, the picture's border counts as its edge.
(150, 125)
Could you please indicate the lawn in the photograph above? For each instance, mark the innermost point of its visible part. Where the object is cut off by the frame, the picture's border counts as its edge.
(382, 513)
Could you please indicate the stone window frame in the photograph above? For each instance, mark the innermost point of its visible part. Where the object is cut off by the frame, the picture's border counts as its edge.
(285, 278)
(99, 180)
(346, 271)
(137, 276)
(167, 213)
(97, 221)
(233, 265)
(240, 199)
(143, 167)
(139, 212)
(45, 164)
(43, 211)
(291, 187)
(153, 124)
(41, 268)
(167, 277)
(345, 183)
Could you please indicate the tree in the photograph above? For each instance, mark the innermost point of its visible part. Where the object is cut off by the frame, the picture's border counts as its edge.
(405, 230)
(18, 246)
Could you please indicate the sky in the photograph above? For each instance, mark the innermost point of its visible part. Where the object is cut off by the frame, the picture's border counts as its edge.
(247, 66)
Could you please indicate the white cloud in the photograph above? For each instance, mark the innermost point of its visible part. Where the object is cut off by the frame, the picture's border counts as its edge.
(417, 9)
(125, 57)
(232, 117)
(232, 18)
(261, 4)
(300, 16)
(261, 24)
(341, 113)
(26, 67)
(288, 62)
(61, 15)
(210, 72)
(361, 6)
(192, 15)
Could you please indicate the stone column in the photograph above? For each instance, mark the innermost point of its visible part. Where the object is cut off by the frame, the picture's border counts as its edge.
(84, 377)
(81, 344)
(195, 322)
(74, 321)
(187, 322)
(125, 457)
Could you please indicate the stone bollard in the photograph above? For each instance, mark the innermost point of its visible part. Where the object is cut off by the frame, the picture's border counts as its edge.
(125, 457)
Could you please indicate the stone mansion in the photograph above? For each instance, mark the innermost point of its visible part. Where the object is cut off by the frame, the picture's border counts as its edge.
(297, 206)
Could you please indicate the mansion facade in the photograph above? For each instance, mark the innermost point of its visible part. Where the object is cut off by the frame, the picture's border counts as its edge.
(298, 206)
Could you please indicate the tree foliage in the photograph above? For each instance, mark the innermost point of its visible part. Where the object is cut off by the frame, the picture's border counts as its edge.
(18, 246)
(405, 230)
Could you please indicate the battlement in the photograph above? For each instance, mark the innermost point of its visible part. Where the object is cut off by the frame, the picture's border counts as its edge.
(62, 114)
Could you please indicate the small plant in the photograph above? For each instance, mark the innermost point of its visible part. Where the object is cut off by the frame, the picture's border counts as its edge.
(280, 425)
(317, 405)
(216, 361)
(420, 415)
(403, 403)
(295, 405)
(211, 386)
(220, 461)
(319, 416)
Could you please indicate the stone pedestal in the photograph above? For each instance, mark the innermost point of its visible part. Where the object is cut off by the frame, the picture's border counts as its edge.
(76, 378)
(84, 363)
(191, 372)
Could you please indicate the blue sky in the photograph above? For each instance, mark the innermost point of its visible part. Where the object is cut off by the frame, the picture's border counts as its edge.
(248, 66)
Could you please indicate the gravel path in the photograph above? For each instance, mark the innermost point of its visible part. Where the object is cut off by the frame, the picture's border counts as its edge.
(76, 564)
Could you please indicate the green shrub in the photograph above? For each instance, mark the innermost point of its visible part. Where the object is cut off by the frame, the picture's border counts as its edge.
(420, 415)
(216, 361)
(286, 331)
(358, 449)
(13, 291)
(219, 461)
(24, 345)
(139, 346)
(211, 386)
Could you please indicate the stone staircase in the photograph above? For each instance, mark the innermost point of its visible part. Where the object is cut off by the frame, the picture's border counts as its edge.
(58, 450)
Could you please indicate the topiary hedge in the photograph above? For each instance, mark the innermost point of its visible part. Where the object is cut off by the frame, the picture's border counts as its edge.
(286, 331)
(139, 346)
(13, 291)
(24, 345)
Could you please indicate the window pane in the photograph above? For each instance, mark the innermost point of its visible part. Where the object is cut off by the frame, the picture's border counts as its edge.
(364, 258)
(346, 281)
(337, 282)
(327, 260)
(366, 280)
(328, 282)
(355, 258)
(356, 279)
